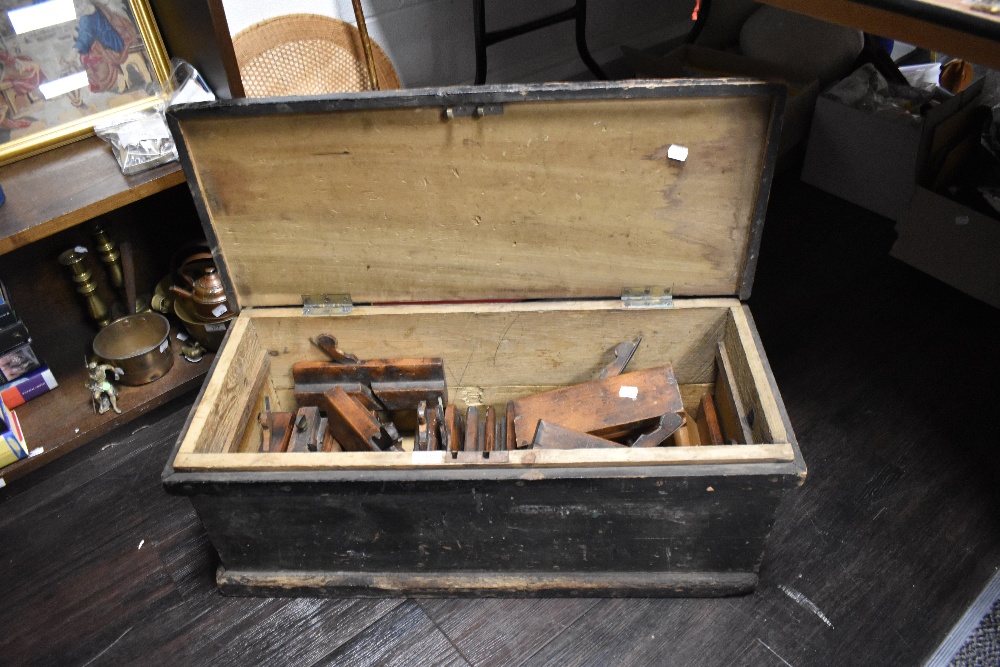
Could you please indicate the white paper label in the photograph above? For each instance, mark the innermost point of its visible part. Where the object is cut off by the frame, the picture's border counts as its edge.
(219, 310)
(36, 451)
(134, 130)
(679, 153)
(164, 345)
(191, 91)
(628, 392)
(2, 483)
(426, 458)
(182, 336)
(216, 327)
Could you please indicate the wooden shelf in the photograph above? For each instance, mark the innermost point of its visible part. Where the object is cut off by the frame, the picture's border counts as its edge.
(63, 187)
(48, 194)
(63, 419)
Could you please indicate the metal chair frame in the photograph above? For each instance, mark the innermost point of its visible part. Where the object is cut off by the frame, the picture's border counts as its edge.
(486, 38)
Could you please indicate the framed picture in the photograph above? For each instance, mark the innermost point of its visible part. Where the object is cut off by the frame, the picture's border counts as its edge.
(65, 65)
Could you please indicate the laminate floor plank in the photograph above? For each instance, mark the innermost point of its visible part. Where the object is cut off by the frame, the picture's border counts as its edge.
(246, 631)
(79, 573)
(406, 636)
(500, 631)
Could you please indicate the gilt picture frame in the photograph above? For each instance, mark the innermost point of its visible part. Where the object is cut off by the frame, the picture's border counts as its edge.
(67, 65)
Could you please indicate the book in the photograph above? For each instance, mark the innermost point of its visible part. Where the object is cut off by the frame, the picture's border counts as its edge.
(27, 387)
(13, 336)
(18, 362)
(7, 314)
(12, 445)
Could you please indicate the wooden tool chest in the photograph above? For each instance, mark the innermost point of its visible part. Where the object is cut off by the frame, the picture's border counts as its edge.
(519, 233)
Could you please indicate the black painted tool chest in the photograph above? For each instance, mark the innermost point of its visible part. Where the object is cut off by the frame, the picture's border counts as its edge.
(519, 233)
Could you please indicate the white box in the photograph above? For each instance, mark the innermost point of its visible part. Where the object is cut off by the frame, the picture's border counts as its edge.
(872, 160)
(951, 242)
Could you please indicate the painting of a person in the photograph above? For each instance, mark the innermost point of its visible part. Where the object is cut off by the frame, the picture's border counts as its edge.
(104, 39)
(19, 75)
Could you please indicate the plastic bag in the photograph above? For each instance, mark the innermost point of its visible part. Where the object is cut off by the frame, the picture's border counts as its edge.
(867, 90)
(141, 140)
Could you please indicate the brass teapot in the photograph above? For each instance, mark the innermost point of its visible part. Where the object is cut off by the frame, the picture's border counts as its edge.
(207, 296)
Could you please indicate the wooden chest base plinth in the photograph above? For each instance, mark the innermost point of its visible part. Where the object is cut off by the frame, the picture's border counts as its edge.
(484, 584)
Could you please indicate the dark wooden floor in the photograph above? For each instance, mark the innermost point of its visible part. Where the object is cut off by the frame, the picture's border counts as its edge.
(891, 381)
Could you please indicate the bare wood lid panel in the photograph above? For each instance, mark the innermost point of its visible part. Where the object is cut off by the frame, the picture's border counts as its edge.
(550, 199)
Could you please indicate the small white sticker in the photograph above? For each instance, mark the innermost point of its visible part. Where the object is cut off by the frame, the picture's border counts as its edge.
(164, 345)
(181, 336)
(219, 310)
(36, 451)
(80, 249)
(628, 392)
(962, 220)
(679, 153)
(2, 483)
(216, 327)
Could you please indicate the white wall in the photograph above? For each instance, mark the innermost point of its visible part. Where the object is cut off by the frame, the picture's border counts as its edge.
(431, 41)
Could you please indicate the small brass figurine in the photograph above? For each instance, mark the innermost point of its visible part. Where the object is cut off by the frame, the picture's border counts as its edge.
(193, 351)
(104, 395)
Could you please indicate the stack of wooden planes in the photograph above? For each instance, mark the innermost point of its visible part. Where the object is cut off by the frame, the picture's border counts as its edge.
(353, 405)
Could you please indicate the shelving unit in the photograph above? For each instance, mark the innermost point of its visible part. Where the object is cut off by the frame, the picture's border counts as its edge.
(64, 187)
(47, 197)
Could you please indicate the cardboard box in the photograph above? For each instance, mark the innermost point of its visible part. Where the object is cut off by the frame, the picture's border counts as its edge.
(870, 159)
(434, 209)
(951, 242)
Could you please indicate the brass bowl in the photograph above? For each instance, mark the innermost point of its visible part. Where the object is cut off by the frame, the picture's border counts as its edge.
(209, 334)
(137, 344)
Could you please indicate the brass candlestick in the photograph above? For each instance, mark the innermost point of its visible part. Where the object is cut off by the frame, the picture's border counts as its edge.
(75, 260)
(110, 256)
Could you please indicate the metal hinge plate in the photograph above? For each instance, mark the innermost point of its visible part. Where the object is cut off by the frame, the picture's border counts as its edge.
(647, 297)
(473, 111)
(327, 304)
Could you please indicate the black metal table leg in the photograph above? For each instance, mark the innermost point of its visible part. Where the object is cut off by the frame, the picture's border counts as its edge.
(485, 38)
(479, 30)
(581, 41)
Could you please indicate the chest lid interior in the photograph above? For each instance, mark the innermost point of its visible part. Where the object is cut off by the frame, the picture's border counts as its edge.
(513, 192)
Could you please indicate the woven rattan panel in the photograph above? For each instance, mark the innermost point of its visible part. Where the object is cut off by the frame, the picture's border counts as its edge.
(306, 54)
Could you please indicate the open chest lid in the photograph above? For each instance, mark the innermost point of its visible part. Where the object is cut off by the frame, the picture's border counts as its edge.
(484, 193)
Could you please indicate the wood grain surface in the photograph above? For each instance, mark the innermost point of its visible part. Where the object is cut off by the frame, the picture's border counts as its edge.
(554, 195)
(495, 347)
(80, 181)
(979, 43)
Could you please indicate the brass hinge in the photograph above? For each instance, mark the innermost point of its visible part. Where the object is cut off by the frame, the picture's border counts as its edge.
(473, 111)
(327, 304)
(647, 297)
